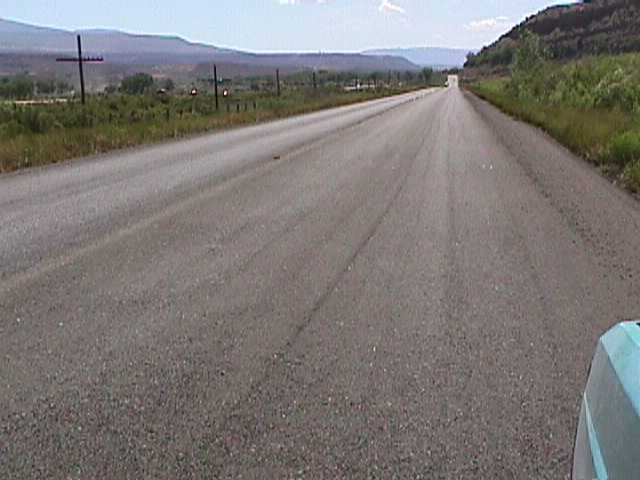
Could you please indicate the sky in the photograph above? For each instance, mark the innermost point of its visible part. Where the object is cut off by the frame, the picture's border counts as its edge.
(290, 25)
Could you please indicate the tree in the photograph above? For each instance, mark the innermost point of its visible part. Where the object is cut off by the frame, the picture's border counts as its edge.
(62, 87)
(472, 60)
(167, 84)
(531, 55)
(20, 87)
(427, 75)
(528, 72)
(136, 84)
(46, 86)
(374, 79)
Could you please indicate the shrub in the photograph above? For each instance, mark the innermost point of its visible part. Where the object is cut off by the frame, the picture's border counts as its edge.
(19, 87)
(625, 148)
(592, 105)
(530, 76)
(11, 129)
(136, 84)
(632, 176)
(46, 86)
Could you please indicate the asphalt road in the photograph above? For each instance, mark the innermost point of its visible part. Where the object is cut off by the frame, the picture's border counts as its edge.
(408, 288)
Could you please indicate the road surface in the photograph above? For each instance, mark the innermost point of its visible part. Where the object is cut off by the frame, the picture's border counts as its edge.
(408, 288)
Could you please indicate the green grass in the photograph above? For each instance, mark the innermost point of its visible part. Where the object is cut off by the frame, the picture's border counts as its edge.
(35, 136)
(625, 148)
(590, 106)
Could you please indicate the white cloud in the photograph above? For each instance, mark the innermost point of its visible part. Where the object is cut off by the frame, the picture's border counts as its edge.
(300, 2)
(490, 24)
(387, 7)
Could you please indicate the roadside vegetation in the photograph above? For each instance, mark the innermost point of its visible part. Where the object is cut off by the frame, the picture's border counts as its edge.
(141, 110)
(591, 105)
(22, 87)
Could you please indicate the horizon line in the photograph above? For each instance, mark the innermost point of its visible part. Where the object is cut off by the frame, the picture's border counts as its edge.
(226, 47)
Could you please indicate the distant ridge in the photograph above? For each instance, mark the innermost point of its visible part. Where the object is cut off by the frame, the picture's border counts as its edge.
(437, 57)
(21, 44)
(24, 38)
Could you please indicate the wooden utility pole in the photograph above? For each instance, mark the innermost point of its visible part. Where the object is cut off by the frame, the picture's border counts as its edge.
(215, 83)
(80, 67)
(80, 60)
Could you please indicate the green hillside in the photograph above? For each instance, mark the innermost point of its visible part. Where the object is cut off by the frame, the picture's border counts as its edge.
(569, 31)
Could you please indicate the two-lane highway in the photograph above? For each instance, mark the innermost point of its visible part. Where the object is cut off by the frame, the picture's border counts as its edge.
(407, 288)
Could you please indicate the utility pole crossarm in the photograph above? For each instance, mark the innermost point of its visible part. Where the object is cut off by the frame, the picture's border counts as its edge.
(84, 59)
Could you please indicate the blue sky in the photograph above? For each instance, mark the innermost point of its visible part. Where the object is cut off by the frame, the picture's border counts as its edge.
(290, 25)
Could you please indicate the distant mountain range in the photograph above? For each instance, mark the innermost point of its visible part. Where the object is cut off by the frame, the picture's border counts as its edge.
(434, 57)
(23, 38)
(586, 28)
(32, 49)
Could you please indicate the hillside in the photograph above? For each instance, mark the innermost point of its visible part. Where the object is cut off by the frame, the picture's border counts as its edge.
(570, 31)
(32, 49)
(18, 37)
(434, 57)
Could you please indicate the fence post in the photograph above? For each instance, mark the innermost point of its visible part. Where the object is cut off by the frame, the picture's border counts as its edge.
(278, 81)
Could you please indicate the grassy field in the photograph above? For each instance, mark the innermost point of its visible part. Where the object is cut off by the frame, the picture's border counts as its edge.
(39, 135)
(591, 105)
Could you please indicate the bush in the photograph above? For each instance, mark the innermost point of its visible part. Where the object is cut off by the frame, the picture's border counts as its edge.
(427, 74)
(588, 132)
(11, 129)
(632, 176)
(136, 84)
(46, 86)
(596, 82)
(625, 148)
(19, 87)
(529, 74)
(37, 121)
(591, 105)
